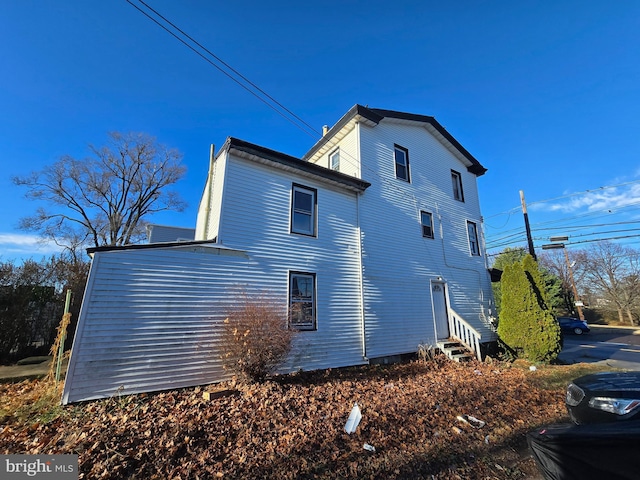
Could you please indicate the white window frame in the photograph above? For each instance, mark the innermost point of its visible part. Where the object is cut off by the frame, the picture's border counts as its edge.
(472, 233)
(297, 210)
(334, 160)
(426, 233)
(456, 181)
(397, 149)
(297, 303)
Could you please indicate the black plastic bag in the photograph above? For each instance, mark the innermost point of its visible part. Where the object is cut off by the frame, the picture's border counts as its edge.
(600, 451)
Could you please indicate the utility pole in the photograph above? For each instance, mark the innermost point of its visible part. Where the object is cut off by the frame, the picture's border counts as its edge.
(573, 285)
(532, 251)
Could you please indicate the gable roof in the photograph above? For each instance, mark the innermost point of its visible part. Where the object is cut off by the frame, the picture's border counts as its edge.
(282, 161)
(373, 116)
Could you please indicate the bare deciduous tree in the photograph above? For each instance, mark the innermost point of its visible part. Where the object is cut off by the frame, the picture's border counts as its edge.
(104, 199)
(555, 262)
(615, 271)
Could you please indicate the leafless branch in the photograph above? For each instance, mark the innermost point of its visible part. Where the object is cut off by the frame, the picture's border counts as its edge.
(104, 199)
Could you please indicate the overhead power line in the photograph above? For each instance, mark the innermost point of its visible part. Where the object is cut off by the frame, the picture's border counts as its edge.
(517, 235)
(225, 68)
(249, 86)
(514, 209)
(569, 195)
(566, 224)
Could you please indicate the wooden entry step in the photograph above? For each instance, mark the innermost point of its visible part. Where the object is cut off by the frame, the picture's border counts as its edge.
(455, 350)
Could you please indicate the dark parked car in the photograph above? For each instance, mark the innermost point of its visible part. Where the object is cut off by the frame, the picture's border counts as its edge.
(606, 408)
(604, 397)
(573, 325)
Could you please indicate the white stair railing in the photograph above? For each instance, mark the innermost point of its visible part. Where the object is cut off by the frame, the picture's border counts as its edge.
(464, 333)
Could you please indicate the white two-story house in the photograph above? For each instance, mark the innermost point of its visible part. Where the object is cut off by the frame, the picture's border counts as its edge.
(372, 241)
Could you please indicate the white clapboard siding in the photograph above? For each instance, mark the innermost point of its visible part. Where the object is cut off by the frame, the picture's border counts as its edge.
(348, 147)
(166, 233)
(149, 320)
(398, 263)
(256, 218)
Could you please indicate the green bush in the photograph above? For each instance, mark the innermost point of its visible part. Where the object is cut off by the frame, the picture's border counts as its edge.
(527, 326)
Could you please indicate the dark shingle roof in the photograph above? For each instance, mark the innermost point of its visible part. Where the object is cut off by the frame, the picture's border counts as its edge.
(374, 116)
(266, 155)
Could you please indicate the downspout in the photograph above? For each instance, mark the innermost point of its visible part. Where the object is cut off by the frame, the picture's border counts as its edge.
(492, 301)
(361, 280)
(359, 233)
(207, 211)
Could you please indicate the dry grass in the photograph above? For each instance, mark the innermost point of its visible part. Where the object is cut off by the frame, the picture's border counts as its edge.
(554, 377)
(30, 401)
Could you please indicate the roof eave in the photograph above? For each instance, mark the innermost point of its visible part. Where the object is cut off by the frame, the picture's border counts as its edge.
(473, 165)
(357, 113)
(150, 246)
(286, 162)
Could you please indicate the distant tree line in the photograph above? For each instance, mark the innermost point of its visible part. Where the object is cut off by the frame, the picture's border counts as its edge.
(32, 298)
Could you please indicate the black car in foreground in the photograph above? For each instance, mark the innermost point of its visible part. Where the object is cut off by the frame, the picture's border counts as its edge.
(604, 397)
(603, 440)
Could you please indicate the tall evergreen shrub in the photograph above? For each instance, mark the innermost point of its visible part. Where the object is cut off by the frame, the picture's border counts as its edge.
(527, 326)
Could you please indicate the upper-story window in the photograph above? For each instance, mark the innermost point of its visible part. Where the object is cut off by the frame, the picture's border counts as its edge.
(456, 180)
(334, 160)
(474, 246)
(426, 219)
(401, 156)
(303, 210)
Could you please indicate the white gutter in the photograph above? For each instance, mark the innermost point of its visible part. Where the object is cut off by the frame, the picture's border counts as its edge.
(359, 233)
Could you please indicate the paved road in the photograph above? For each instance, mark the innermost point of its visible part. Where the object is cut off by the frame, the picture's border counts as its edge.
(16, 373)
(614, 347)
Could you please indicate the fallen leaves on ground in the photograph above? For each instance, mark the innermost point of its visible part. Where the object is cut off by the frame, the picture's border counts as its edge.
(293, 427)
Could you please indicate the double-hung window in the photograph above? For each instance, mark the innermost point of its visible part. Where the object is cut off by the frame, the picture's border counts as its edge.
(472, 231)
(302, 301)
(303, 210)
(456, 180)
(426, 219)
(401, 156)
(334, 160)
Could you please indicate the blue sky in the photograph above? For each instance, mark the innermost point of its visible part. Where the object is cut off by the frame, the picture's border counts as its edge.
(544, 94)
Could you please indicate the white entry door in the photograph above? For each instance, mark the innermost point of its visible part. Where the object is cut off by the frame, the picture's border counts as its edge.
(439, 302)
